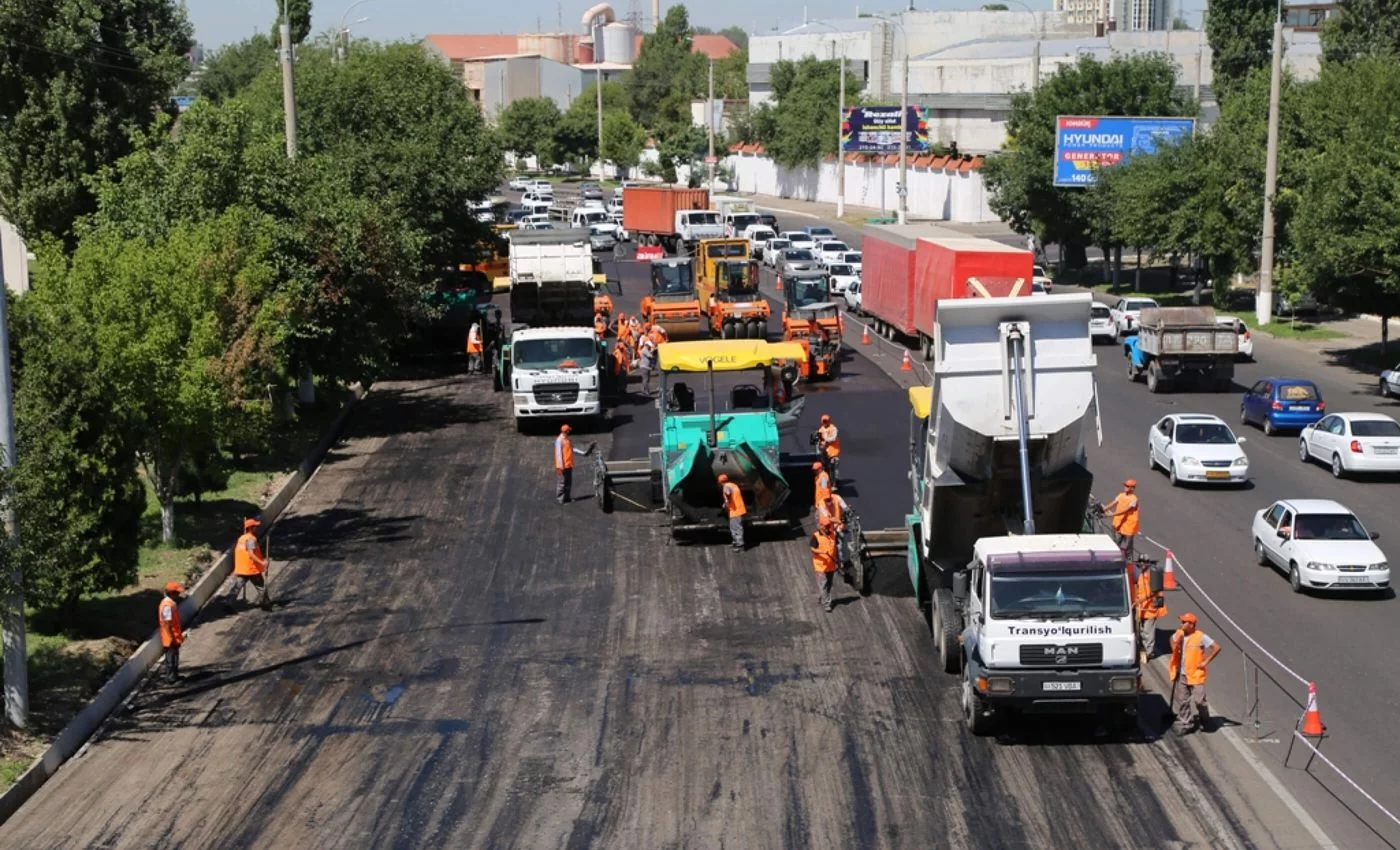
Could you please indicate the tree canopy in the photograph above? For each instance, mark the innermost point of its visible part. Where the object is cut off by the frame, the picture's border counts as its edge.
(1241, 36)
(800, 128)
(231, 68)
(1362, 28)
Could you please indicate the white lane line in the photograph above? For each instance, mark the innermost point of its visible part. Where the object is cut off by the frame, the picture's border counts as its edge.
(1284, 795)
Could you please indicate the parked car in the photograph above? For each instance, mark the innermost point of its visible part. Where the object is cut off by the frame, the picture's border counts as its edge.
(519, 183)
(773, 252)
(1292, 305)
(1277, 403)
(1390, 382)
(1320, 545)
(1246, 338)
(820, 233)
(758, 236)
(831, 251)
(842, 276)
(542, 187)
(1127, 312)
(1101, 324)
(799, 238)
(797, 260)
(1352, 442)
(1196, 448)
(854, 258)
(852, 297)
(1039, 276)
(590, 191)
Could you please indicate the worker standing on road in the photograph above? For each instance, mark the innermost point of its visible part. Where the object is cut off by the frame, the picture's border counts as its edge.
(734, 507)
(647, 362)
(833, 510)
(823, 482)
(249, 566)
(171, 635)
(564, 452)
(1124, 512)
(474, 348)
(829, 444)
(1192, 652)
(600, 325)
(824, 561)
(1151, 607)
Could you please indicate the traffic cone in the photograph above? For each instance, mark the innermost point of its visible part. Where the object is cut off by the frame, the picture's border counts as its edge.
(907, 365)
(780, 283)
(1169, 573)
(1312, 718)
(865, 335)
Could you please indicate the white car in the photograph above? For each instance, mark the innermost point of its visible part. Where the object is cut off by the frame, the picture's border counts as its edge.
(1352, 442)
(1390, 382)
(519, 184)
(542, 187)
(831, 251)
(773, 252)
(1242, 330)
(820, 233)
(758, 236)
(1127, 313)
(799, 239)
(855, 259)
(852, 296)
(536, 221)
(614, 207)
(1320, 545)
(842, 277)
(1038, 289)
(1101, 324)
(1039, 276)
(1196, 448)
(622, 234)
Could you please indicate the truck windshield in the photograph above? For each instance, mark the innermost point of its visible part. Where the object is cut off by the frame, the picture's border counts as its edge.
(807, 292)
(553, 353)
(1059, 595)
(702, 218)
(670, 280)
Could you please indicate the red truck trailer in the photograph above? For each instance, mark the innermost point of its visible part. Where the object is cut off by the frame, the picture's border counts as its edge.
(649, 213)
(887, 280)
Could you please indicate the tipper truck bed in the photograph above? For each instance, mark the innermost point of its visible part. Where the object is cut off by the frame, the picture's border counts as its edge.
(1182, 343)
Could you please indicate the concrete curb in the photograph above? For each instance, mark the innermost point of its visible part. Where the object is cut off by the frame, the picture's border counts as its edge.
(73, 736)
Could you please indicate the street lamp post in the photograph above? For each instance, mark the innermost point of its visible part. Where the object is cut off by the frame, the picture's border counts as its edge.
(342, 34)
(1264, 301)
(289, 97)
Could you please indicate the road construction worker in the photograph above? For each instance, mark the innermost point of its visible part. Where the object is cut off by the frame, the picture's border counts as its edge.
(829, 444)
(1192, 652)
(171, 635)
(621, 364)
(1151, 607)
(735, 509)
(564, 452)
(623, 329)
(823, 482)
(600, 325)
(657, 334)
(648, 362)
(1123, 510)
(634, 325)
(474, 348)
(824, 560)
(833, 509)
(249, 566)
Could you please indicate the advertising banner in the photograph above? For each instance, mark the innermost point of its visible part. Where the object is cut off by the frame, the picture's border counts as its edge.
(1085, 143)
(875, 129)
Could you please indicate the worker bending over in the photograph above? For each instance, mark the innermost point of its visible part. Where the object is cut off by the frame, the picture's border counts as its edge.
(735, 508)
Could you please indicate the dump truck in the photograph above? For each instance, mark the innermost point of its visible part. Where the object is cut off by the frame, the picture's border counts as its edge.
(812, 319)
(671, 217)
(734, 424)
(1174, 344)
(1031, 611)
(908, 269)
(735, 214)
(674, 302)
(728, 288)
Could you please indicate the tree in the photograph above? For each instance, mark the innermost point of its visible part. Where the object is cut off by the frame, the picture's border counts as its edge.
(1021, 176)
(231, 68)
(731, 76)
(1362, 28)
(576, 136)
(1241, 36)
(623, 139)
(1179, 23)
(299, 15)
(527, 126)
(664, 57)
(995, 7)
(801, 128)
(78, 77)
(738, 35)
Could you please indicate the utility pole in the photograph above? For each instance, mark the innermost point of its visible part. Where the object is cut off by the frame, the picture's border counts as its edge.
(601, 173)
(840, 154)
(903, 191)
(710, 124)
(1264, 302)
(16, 658)
(289, 97)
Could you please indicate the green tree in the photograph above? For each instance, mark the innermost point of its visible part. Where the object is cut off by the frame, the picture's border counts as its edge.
(231, 68)
(623, 139)
(1362, 28)
(657, 99)
(801, 127)
(738, 35)
(731, 77)
(77, 78)
(526, 126)
(1021, 176)
(1241, 36)
(299, 14)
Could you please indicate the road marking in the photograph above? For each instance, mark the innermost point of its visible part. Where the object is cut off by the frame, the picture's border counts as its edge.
(1284, 795)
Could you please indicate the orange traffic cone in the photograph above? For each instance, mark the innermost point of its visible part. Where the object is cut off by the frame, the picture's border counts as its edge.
(1169, 573)
(1312, 718)
(907, 365)
(865, 335)
(780, 283)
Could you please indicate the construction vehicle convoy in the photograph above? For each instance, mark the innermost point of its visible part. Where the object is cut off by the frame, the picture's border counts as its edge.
(674, 302)
(1034, 614)
(728, 289)
(670, 217)
(1172, 344)
(812, 320)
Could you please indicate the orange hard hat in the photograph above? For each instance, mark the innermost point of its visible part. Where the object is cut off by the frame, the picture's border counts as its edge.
(174, 587)
(250, 523)
(1188, 618)
(1131, 482)
(817, 466)
(565, 429)
(723, 478)
(825, 418)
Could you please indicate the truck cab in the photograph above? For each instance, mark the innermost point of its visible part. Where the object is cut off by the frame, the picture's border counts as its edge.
(554, 373)
(813, 320)
(694, 226)
(674, 303)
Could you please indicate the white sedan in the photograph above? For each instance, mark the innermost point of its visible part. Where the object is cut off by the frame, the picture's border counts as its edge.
(1196, 448)
(852, 296)
(1352, 442)
(520, 184)
(831, 251)
(1390, 381)
(1320, 545)
(1039, 276)
(1246, 350)
(799, 239)
(842, 276)
(1101, 323)
(1127, 313)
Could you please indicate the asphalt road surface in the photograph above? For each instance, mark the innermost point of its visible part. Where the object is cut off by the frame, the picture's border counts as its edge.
(456, 661)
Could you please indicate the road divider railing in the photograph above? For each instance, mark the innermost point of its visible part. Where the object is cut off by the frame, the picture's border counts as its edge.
(1308, 729)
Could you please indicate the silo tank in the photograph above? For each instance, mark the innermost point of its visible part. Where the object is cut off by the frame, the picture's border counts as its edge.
(617, 43)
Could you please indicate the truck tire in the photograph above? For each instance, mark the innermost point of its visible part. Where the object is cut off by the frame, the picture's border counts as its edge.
(1154, 380)
(947, 627)
(975, 716)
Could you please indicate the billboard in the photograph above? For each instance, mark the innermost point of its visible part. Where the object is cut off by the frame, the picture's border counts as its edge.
(875, 129)
(1086, 143)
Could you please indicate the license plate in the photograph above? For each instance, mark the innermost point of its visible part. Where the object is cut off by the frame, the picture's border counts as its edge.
(1060, 686)
(1217, 474)
(1385, 450)
(1299, 407)
(1354, 580)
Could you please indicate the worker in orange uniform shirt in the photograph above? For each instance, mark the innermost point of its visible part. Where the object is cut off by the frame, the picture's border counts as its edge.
(171, 635)
(249, 566)
(823, 482)
(824, 560)
(829, 445)
(1192, 652)
(1123, 510)
(474, 348)
(600, 325)
(1151, 607)
(564, 452)
(833, 509)
(734, 507)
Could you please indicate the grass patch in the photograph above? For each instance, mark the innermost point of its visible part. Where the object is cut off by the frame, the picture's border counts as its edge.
(1299, 329)
(11, 770)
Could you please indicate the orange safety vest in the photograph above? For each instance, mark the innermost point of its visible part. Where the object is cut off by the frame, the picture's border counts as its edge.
(1188, 654)
(248, 558)
(168, 616)
(733, 500)
(824, 552)
(1151, 606)
(1125, 511)
(832, 438)
(474, 340)
(823, 486)
(620, 358)
(833, 513)
(563, 453)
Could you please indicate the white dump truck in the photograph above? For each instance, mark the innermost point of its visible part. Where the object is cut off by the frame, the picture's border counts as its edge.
(1033, 613)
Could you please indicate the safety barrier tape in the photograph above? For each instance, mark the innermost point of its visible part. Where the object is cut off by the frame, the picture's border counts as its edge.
(1352, 782)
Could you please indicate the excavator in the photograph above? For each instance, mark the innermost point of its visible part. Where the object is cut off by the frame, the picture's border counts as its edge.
(812, 319)
(673, 304)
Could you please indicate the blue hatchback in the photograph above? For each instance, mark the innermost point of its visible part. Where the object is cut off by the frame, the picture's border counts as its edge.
(1278, 403)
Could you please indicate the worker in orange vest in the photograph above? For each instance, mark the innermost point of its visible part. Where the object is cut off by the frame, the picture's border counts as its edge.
(735, 508)
(249, 566)
(658, 334)
(824, 560)
(829, 444)
(171, 635)
(1192, 652)
(1123, 510)
(1151, 607)
(600, 325)
(833, 509)
(823, 482)
(564, 452)
(474, 348)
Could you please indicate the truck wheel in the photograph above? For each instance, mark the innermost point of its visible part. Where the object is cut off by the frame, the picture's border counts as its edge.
(947, 627)
(496, 381)
(975, 715)
(522, 426)
(1154, 383)
(1132, 371)
(726, 330)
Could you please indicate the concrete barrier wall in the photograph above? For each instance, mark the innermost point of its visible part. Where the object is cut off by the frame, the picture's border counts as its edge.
(129, 675)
